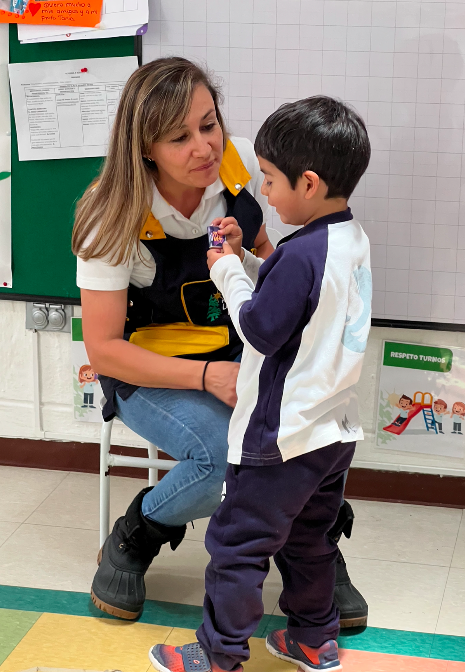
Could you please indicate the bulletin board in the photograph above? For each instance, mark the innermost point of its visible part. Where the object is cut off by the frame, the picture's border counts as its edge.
(44, 193)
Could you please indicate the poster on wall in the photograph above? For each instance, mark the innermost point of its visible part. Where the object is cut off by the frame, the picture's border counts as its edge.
(5, 163)
(421, 405)
(87, 392)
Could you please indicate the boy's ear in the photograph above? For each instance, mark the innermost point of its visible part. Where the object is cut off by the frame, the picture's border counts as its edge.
(311, 183)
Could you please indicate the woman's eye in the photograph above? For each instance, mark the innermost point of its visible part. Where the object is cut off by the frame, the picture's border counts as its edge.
(180, 139)
(209, 127)
(268, 184)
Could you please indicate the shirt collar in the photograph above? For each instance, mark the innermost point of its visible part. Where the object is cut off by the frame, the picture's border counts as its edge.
(326, 220)
(161, 208)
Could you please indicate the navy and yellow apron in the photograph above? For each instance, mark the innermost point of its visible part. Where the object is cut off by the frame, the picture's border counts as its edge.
(182, 314)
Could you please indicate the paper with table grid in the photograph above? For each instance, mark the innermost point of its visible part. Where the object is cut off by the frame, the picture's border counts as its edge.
(401, 64)
(65, 109)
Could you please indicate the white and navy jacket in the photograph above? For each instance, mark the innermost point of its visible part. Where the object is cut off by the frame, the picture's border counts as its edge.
(304, 326)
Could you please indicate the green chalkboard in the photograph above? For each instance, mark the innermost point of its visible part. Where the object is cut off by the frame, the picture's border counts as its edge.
(44, 193)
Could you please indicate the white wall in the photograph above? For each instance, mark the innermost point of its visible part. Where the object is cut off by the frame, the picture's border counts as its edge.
(402, 66)
(18, 419)
(17, 395)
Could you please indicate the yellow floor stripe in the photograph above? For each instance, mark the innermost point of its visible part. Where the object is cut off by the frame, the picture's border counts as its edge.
(78, 642)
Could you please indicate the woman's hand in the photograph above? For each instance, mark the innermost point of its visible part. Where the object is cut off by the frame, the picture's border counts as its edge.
(214, 254)
(220, 380)
(233, 233)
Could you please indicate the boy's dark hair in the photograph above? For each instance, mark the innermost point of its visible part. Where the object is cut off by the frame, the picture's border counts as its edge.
(404, 396)
(319, 134)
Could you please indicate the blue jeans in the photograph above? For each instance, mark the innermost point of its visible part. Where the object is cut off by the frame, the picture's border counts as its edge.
(192, 427)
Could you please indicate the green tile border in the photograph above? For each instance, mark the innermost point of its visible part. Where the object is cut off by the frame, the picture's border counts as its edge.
(378, 640)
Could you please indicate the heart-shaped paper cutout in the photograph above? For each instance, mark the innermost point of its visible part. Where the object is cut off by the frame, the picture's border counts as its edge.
(33, 7)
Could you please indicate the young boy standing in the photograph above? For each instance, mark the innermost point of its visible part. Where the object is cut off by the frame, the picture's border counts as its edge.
(292, 434)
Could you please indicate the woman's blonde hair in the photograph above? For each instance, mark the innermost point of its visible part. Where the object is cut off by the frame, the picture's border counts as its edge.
(154, 103)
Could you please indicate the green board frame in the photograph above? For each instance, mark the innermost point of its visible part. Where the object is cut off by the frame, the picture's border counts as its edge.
(44, 193)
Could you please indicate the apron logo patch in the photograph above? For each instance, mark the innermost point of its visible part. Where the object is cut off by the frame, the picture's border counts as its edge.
(216, 306)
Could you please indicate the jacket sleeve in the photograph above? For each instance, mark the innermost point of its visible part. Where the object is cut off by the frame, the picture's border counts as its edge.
(251, 265)
(266, 317)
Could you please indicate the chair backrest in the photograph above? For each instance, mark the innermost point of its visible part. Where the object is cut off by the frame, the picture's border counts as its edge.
(274, 235)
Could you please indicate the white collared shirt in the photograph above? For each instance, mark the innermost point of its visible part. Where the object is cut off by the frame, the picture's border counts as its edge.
(98, 274)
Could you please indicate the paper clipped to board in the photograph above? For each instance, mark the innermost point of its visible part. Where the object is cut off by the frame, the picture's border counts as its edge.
(65, 109)
(117, 16)
(51, 13)
(87, 34)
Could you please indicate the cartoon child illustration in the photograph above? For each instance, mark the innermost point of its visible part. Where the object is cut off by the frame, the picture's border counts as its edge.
(88, 381)
(457, 415)
(405, 404)
(439, 409)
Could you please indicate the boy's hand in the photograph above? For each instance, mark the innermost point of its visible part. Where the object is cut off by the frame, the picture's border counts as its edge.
(233, 232)
(214, 254)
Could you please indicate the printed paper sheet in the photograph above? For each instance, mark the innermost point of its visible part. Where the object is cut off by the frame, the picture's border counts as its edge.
(117, 17)
(65, 109)
(87, 392)
(422, 399)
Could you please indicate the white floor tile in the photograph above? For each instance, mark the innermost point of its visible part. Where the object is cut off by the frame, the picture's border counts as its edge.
(458, 559)
(452, 614)
(403, 533)
(75, 502)
(398, 557)
(58, 558)
(400, 596)
(22, 490)
(180, 577)
(6, 530)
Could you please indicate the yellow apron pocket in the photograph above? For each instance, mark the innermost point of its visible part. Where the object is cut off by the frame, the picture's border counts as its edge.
(180, 338)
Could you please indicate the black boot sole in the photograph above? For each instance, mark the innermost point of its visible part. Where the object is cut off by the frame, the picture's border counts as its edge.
(113, 611)
(353, 622)
(108, 608)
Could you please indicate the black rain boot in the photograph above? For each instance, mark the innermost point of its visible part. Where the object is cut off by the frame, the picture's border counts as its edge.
(118, 587)
(352, 606)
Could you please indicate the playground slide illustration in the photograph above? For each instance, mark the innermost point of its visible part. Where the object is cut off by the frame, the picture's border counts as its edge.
(421, 406)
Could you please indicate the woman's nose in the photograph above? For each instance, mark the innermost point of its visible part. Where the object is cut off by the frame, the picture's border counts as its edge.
(202, 147)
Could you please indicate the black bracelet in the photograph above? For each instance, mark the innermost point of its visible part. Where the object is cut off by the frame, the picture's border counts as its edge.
(203, 376)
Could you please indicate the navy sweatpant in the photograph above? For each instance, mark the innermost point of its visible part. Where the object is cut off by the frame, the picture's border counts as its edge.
(283, 511)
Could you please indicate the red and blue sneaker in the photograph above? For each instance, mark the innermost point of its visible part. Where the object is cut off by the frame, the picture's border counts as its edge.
(325, 657)
(187, 658)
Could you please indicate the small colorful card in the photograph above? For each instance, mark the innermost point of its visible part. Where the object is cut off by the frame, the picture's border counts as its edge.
(215, 237)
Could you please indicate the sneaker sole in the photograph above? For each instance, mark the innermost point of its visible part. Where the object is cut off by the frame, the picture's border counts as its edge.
(360, 622)
(301, 666)
(108, 608)
(156, 664)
